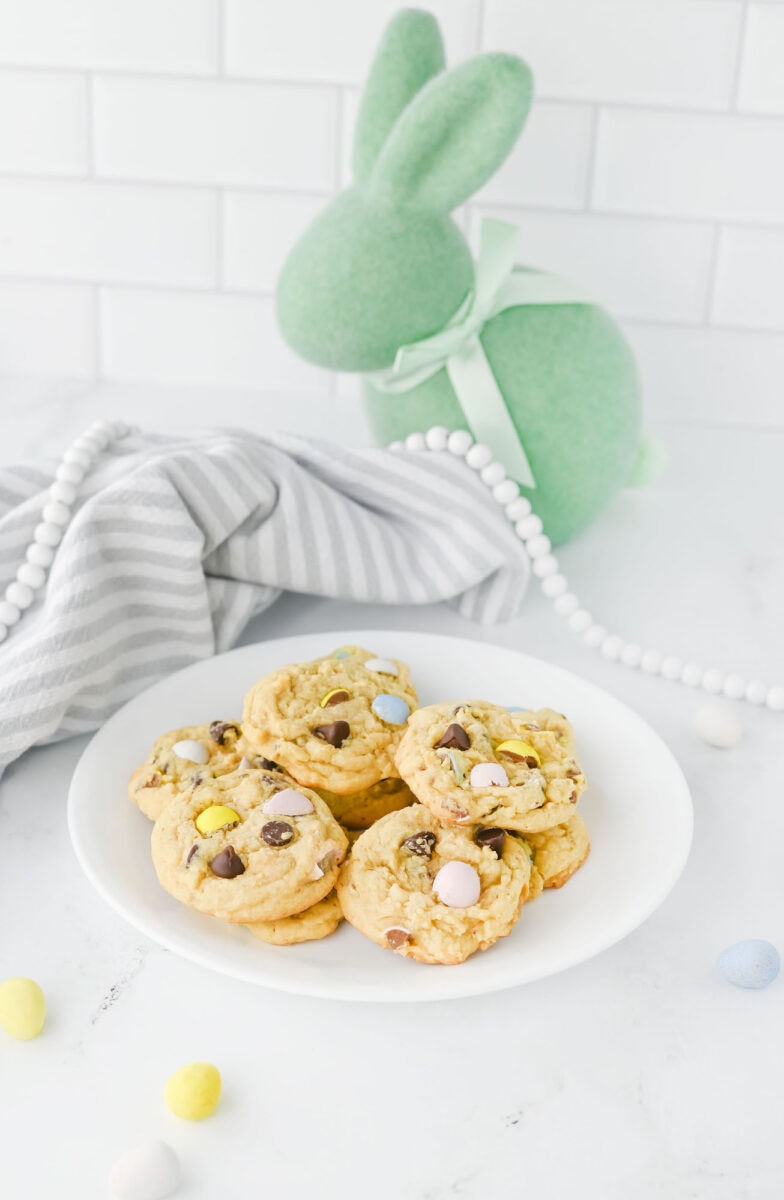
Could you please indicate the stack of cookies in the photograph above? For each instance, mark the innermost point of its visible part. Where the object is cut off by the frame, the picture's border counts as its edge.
(455, 814)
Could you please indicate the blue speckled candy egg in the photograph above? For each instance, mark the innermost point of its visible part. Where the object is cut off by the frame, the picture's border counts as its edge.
(750, 964)
(392, 709)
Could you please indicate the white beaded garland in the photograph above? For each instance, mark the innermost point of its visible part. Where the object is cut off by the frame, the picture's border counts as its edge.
(9, 613)
(506, 491)
(554, 586)
(538, 546)
(580, 620)
(611, 647)
(19, 594)
(42, 556)
(64, 493)
(775, 699)
(48, 534)
(734, 687)
(713, 681)
(529, 527)
(492, 474)
(479, 456)
(416, 441)
(651, 662)
(756, 691)
(459, 442)
(671, 668)
(436, 438)
(594, 635)
(545, 566)
(518, 509)
(631, 655)
(32, 575)
(56, 513)
(395, 447)
(566, 604)
(692, 674)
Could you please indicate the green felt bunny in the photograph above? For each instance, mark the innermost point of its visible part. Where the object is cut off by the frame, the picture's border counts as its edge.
(383, 283)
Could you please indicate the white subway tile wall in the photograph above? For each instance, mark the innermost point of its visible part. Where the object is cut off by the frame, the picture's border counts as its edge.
(158, 158)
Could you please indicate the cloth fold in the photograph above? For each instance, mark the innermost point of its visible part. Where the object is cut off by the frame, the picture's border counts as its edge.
(176, 542)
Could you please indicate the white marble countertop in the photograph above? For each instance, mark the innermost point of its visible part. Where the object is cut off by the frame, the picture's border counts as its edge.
(638, 1074)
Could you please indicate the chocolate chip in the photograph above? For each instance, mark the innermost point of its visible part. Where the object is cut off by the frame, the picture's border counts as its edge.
(335, 734)
(227, 864)
(277, 833)
(219, 729)
(423, 843)
(196, 781)
(154, 780)
(396, 938)
(455, 738)
(492, 838)
(336, 698)
(193, 850)
(266, 764)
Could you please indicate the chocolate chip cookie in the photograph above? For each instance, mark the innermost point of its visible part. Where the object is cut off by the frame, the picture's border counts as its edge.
(475, 762)
(334, 723)
(316, 922)
(248, 847)
(359, 810)
(433, 892)
(181, 758)
(560, 851)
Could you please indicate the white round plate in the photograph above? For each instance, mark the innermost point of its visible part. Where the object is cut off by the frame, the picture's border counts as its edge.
(635, 790)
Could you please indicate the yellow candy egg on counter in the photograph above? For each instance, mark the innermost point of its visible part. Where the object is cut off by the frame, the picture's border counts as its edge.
(22, 1008)
(216, 817)
(193, 1091)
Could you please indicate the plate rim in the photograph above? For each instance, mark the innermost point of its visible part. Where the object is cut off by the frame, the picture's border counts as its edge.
(475, 985)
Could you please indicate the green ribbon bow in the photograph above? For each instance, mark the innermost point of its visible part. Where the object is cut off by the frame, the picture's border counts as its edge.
(458, 347)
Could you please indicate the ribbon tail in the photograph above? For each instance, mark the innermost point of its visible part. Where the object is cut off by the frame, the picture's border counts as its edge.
(485, 410)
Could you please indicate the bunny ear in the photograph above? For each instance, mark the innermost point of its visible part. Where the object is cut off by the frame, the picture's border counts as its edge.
(454, 135)
(411, 52)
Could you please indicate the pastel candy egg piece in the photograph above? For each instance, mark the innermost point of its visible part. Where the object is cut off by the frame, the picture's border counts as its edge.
(216, 817)
(193, 1091)
(147, 1172)
(718, 726)
(288, 803)
(392, 709)
(382, 666)
(519, 751)
(457, 885)
(191, 751)
(751, 964)
(22, 1008)
(488, 775)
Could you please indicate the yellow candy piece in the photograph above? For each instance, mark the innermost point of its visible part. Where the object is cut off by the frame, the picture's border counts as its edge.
(216, 817)
(336, 696)
(519, 751)
(193, 1092)
(22, 1008)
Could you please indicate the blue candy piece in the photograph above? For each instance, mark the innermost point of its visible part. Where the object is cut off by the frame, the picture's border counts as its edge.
(392, 709)
(341, 653)
(515, 708)
(750, 964)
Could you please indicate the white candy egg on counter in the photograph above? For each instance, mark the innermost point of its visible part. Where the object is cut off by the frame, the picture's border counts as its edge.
(750, 964)
(147, 1172)
(718, 725)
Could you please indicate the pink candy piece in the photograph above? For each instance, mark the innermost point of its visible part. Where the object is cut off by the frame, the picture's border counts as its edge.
(457, 885)
(488, 775)
(288, 803)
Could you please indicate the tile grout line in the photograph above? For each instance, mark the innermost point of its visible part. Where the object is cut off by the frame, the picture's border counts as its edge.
(98, 356)
(737, 72)
(593, 143)
(220, 237)
(713, 275)
(90, 129)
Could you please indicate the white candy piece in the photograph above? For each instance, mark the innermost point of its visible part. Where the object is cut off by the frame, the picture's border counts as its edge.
(289, 803)
(457, 885)
(718, 726)
(191, 750)
(383, 666)
(488, 775)
(147, 1172)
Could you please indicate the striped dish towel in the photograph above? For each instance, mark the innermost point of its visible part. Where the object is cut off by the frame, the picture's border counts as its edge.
(175, 543)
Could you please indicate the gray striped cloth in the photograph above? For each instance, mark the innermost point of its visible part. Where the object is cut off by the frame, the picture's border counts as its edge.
(176, 543)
